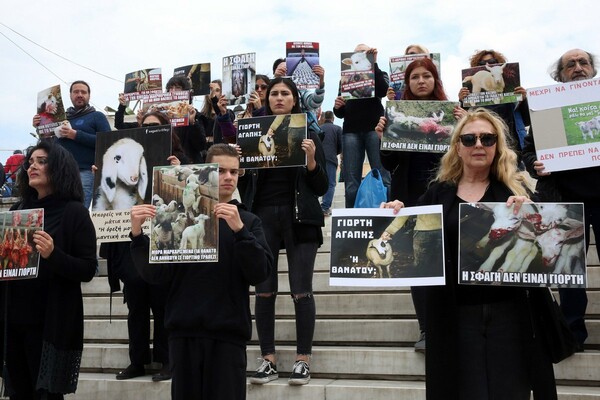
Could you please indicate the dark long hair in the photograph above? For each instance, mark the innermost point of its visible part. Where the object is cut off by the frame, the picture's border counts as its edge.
(292, 86)
(62, 170)
(438, 89)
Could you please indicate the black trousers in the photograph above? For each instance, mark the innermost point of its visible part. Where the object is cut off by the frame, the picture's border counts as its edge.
(207, 369)
(141, 297)
(23, 354)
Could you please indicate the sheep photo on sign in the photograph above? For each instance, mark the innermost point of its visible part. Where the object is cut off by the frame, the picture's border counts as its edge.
(375, 247)
(51, 110)
(422, 126)
(358, 75)
(124, 162)
(542, 245)
(185, 228)
(491, 84)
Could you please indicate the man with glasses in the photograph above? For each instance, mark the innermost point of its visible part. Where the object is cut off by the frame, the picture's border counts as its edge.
(570, 186)
(79, 136)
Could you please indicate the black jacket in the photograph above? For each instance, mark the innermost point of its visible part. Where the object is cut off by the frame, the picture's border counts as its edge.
(211, 299)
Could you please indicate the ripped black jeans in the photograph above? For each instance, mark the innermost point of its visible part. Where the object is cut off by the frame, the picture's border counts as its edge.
(278, 228)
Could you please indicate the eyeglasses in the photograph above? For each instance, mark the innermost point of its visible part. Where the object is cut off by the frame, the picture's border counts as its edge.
(261, 87)
(233, 172)
(40, 161)
(582, 63)
(150, 124)
(489, 61)
(486, 139)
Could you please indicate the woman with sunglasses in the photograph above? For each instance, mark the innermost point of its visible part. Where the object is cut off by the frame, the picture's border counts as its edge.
(480, 341)
(515, 115)
(256, 104)
(44, 316)
(412, 171)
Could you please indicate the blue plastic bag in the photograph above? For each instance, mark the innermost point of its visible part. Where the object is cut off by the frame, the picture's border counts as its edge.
(372, 191)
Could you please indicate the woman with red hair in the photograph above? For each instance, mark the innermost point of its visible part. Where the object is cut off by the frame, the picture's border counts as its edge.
(411, 172)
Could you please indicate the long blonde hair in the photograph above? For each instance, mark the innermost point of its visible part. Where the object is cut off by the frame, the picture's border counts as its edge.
(503, 168)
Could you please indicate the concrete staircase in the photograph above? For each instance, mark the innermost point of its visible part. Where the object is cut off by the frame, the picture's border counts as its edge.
(362, 344)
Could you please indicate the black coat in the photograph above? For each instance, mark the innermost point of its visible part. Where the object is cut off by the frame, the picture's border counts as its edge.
(442, 316)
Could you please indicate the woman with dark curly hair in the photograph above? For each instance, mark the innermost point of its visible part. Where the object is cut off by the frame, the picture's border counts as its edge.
(44, 316)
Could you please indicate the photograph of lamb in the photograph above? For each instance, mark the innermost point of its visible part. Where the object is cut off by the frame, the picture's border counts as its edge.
(421, 126)
(300, 58)
(239, 77)
(491, 84)
(185, 228)
(142, 82)
(19, 258)
(543, 244)
(51, 110)
(358, 75)
(272, 141)
(375, 247)
(198, 75)
(582, 123)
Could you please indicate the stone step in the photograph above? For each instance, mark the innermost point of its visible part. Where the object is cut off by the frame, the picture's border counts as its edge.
(96, 386)
(340, 361)
(346, 331)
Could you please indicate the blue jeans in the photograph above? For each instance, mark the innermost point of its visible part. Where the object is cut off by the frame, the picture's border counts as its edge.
(331, 169)
(87, 180)
(354, 147)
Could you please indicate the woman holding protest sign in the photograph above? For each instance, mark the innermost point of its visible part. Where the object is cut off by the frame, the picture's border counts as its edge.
(411, 171)
(44, 316)
(483, 342)
(286, 200)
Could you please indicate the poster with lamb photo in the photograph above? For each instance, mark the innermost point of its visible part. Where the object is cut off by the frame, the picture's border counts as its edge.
(239, 77)
(300, 58)
(198, 75)
(51, 111)
(491, 84)
(125, 160)
(565, 122)
(542, 245)
(421, 126)
(375, 247)
(272, 141)
(140, 83)
(398, 66)
(185, 228)
(19, 259)
(175, 105)
(358, 75)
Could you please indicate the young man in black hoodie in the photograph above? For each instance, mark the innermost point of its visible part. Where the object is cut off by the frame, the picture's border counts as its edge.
(207, 312)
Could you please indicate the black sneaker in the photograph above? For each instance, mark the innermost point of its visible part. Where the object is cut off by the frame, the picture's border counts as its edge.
(133, 371)
(420, 345)
(300, 373)
(266, 373)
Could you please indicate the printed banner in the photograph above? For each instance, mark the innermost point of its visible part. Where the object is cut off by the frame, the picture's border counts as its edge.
(300, 58)
(272, 141)
(422, 126)
(19, 258)
(175, 105)
(198, 75)
(491, 84)
(185, 228)
(125, 160)
(139, 84)
(542, 245)
(375, 247)
(51, 110)
(239, 77)
(358, 75)
(565, 121)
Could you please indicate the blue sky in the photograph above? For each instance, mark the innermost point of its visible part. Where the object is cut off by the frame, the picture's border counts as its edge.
(116, 37)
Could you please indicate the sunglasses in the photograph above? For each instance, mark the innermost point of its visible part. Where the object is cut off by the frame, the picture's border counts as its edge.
(486, 139)
(262, 87)
(490, 61)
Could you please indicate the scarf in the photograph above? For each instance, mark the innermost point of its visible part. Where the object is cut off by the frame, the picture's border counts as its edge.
(73, 112)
